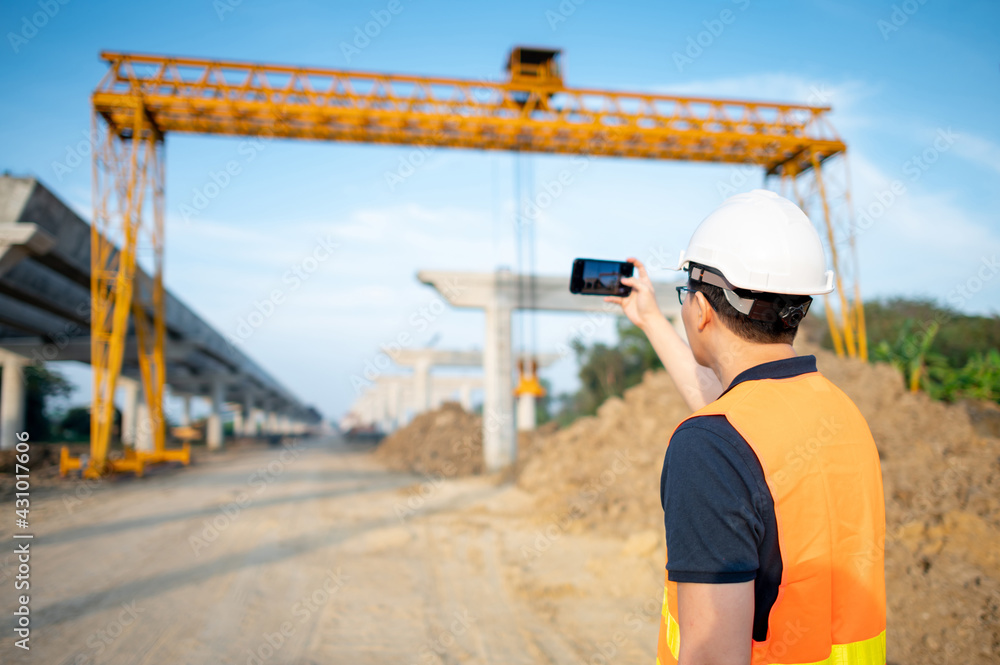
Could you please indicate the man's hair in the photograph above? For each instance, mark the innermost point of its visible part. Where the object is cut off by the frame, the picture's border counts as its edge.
(773, 331)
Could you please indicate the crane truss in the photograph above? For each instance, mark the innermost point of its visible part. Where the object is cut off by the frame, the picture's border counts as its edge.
(143, 97)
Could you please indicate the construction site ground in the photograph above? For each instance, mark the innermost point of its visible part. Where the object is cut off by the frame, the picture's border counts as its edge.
(327, 551)
(314, 553)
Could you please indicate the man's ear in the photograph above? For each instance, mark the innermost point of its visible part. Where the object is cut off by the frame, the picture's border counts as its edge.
(704, 313)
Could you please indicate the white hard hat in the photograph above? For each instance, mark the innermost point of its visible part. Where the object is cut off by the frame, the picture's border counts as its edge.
(760, 241)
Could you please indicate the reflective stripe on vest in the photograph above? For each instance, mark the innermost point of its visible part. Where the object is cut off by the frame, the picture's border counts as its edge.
(823, 473)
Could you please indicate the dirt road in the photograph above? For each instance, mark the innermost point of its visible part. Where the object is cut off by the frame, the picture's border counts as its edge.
(313, 553)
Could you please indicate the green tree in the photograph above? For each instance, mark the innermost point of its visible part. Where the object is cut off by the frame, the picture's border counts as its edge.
(979, 378)
(958, 338)
(42, 385)
(606, 371)
(911, 354)
(75, 424)
(948, 354)
(543, 405)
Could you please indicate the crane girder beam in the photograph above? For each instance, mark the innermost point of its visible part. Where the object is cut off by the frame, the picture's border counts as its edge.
(143, 97)
(248, 99)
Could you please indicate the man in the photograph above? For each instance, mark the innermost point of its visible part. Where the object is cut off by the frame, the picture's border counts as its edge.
(771, 490)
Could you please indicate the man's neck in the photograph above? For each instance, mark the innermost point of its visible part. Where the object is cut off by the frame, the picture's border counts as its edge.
(729, 365)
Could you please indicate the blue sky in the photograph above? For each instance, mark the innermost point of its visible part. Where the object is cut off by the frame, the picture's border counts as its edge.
(899, 75)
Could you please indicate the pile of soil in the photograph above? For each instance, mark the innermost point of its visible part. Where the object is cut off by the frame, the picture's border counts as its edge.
(448, 441)
(941, 471)
(602, 472)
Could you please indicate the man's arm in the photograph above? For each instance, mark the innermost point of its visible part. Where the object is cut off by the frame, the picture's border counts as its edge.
(716, 622)
(698, 385)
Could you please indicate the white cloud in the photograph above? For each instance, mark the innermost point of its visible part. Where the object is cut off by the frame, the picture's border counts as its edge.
(920, 242)
(979, 150)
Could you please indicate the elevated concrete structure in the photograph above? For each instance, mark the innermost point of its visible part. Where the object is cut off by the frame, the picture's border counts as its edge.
(386, 404)
(497, 295)
(45, 313)
(422, 360)
(399, 394)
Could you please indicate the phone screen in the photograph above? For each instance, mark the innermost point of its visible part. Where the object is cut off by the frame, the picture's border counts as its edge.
(600, 278)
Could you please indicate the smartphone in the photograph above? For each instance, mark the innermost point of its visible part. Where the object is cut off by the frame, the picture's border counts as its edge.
(600, 278)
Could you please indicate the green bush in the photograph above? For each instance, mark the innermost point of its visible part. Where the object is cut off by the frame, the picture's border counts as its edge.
(939, 350)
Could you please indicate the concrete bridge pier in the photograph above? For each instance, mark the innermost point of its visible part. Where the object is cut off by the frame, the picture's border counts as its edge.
(465, 397)
(238, 412)
(130, 408)
(11, 399)
(213, 428)
(186, 411)
(249, 424)
(144, 440)
(255, 422)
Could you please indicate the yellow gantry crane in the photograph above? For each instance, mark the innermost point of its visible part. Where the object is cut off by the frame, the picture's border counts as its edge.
(144, 97)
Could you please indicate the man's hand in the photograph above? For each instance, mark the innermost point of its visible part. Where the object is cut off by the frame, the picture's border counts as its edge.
(640, 305)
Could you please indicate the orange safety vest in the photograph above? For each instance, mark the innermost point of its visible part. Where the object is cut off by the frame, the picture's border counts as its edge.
(822, 468)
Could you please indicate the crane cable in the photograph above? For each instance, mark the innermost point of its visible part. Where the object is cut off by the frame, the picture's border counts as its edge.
(524, 226)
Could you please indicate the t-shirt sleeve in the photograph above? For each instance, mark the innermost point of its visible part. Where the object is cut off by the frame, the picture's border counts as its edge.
(713, 525)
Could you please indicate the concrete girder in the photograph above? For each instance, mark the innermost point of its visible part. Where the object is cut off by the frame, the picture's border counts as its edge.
(497, 295)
